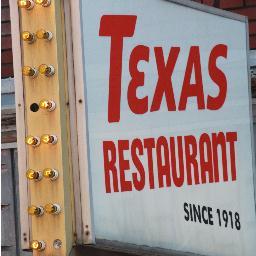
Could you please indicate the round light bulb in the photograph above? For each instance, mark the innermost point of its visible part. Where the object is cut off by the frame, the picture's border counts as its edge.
(29, 71)
(47, 104)
(37, 245)
(44, 3)
(26, 4)
(44, 34)
(32, 141)
(33, 175)
(35, 210)
(46, 70)
(28, 37)
(50, 173)
(49, 139)
(52, 208)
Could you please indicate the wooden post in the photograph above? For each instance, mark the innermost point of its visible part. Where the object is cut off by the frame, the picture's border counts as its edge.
(49, 227)
(20, 126)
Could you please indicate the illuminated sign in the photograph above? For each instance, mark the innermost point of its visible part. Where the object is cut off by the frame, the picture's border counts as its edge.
(169, 126)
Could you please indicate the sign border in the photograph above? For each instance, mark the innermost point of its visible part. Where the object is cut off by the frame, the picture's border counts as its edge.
(82, 123)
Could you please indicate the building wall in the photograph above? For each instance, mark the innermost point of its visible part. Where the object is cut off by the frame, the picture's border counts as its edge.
(243, 7)
(6, 41)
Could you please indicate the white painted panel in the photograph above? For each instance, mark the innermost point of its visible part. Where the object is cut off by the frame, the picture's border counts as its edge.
(156, 217)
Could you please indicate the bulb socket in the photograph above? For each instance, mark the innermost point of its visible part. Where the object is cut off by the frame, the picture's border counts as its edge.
(57, 244)
(52, 209)
(44, 34)
(35, 210)
(34, 175)
(28, 37)
(51, 174)
(49, 139)
(37, 245)
(26, 4)
(29, 71)
(32, 141)
(49, 105)
(46, 70)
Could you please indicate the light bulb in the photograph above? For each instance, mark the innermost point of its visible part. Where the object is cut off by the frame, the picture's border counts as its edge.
(44, 3)
(28, 37)
(44, 34)
(37, 245)
(52, 208)
(35, 210)
(47, 104)
(27, 4)
(32, 141)
(50, 173)
(29, 71)
(49, 139)
(46, 70)
(33, 175)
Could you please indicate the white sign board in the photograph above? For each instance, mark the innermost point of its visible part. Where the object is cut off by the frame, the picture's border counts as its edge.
(169, 126)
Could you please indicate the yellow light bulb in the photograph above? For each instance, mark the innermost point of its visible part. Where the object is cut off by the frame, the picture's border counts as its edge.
(33, 175)
(28, 37)
(44, 3)
(32, 141)
(46, 138)
(52, 208)
(46, 70)
(43, 68)
(47, 104)
(43, 34)
(29, 71)
(49, 139)
(27, 4)
(50, 174)
(37, 245)
(35, 210)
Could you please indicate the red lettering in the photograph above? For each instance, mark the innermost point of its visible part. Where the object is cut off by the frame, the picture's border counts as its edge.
(138, 178)
(190, 143)
(178, 181)
(193, 90)
(149, 144)
(110, 165)
(219, 140)
(117, 27)
(137, 106)
(217, 76)
(123, 165)
(163, 162)
(231, 138)
(206, 162)
(164, 83)
(201, 161)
